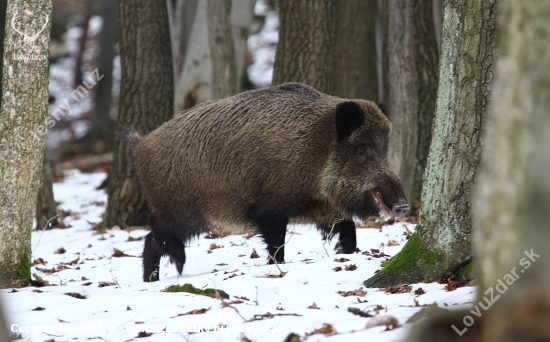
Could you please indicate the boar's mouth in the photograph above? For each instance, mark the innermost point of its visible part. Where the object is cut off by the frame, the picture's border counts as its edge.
(384, 211)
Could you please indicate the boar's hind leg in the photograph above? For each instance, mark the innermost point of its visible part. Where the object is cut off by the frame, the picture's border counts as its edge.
(347, 240)
(160, 242)
(273, 230)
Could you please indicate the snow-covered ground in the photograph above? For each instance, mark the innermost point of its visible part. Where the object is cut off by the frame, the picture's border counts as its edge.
(262, 306)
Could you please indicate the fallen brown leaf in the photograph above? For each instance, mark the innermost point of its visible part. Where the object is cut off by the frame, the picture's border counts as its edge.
(359, 292)
(351, 267)
(106, 283)
(327, 329)
(117, 253)
(60, 250)
(341, 260)
(313, 306)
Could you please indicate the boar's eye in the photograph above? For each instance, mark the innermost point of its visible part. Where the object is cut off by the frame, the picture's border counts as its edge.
(365, 151)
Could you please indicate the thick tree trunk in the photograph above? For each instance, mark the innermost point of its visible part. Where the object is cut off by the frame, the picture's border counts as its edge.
(356, 74)
(193, 85)
(384, 22)
(181, 14)
(409, 72)
(101, 125)
(305, 52)
(146, 99)
(22, 130)
(403, 89)
(511, 216)
(222, 49)
(46, 208)
(426, 62)
(443, 239)
(242, 13)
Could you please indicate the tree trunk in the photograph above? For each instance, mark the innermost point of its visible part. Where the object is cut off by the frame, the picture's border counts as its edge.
(87, 13)
(3, 6)
(511, 216)
(403, 89)
(305, 52)
(242, 13)
(22, 131)
(443, 239)
(193, 85)
(181, 14)
(101, 125)
(46, 208)
(222, 49)
(356, 74)
(146, 99)
(384, 23)
(410, 87)
(438, 20)
(426, 62)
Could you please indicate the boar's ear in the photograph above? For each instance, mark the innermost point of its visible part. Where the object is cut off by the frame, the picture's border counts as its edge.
(385, 108)
(349, 116)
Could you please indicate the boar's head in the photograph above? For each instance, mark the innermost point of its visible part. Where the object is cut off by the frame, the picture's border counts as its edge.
(357, 179)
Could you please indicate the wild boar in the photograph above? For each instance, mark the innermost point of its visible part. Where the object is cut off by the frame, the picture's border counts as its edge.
(262, 159)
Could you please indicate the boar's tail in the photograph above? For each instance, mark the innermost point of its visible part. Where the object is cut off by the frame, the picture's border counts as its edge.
(128, 133)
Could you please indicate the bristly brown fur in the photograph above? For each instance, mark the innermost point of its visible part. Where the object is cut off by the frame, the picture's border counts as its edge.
(260, 159)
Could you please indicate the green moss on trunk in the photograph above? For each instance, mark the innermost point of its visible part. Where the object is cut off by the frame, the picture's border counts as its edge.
(19, 275)
(430, 257)
(403, 265)
(408, 256)
(466, 271)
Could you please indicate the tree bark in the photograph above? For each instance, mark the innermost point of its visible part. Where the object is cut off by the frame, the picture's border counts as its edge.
(426, 59)
(3, 6)
(443, 238)
(22, 131)
(305, 52)
(181, 14)
(410, 87)
(242, 13)
(101, 125)
(511, 216)
(193, 85)
(79, 61)
(46, 208)
(222, 49)
(355, 74)
(403, 89)
(146, 99)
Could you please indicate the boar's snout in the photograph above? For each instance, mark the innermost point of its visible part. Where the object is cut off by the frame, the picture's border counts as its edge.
(400, 208)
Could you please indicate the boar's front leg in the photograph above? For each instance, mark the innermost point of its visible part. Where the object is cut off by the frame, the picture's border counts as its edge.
(273, 230)
(151, 259)
(347, 239)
